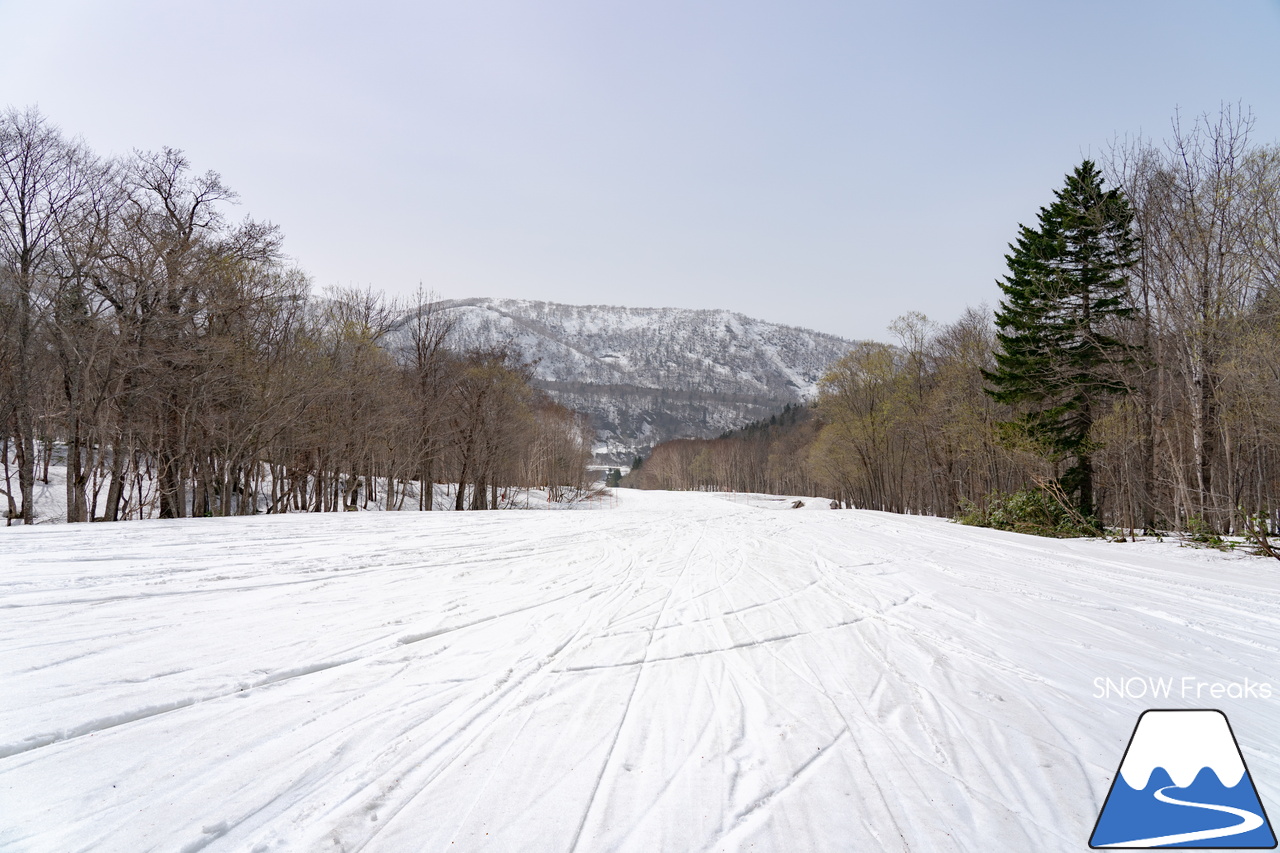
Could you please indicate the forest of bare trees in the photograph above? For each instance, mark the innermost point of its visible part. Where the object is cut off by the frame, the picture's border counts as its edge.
(765, 456)
(1192, 442)
(177, 364)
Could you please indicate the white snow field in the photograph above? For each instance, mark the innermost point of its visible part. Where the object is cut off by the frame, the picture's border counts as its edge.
(686, 672)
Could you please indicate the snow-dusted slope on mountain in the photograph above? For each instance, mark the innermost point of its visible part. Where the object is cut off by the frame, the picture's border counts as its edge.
(672, 348)
(647, 374)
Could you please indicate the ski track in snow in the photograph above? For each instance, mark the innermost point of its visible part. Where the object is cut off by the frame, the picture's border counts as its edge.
(688, 672)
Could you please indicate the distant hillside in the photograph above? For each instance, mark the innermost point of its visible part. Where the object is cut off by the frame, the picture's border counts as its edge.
(649, 374)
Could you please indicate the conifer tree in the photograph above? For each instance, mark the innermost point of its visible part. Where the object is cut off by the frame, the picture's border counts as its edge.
(1058, 356)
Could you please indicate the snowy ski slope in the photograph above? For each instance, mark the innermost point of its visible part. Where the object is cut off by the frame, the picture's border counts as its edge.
(686, 672)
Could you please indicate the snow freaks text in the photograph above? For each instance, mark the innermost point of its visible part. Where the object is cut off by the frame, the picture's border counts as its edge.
(1185, 687)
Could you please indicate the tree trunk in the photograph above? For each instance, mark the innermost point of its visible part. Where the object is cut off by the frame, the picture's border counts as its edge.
(25, 460)
(77, 504)
(8, 483)
(115, 490)
(169, 484)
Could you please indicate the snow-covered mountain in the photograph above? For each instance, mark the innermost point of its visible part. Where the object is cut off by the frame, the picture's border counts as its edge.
(649, 374)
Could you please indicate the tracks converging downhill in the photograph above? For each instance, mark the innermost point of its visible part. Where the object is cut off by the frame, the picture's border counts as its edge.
(689, 672)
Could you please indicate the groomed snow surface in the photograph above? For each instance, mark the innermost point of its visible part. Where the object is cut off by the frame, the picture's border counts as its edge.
(685, 672)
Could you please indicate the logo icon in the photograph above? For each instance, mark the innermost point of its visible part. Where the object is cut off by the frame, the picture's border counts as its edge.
(1183, 783)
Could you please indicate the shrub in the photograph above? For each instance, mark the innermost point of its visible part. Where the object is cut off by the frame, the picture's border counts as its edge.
(1258, 535)
(1200, 534)
(1033, 511)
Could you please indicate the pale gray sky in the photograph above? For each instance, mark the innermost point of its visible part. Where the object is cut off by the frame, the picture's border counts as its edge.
(825, 164)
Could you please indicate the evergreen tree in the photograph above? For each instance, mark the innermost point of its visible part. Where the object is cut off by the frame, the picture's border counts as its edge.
(1066, 288)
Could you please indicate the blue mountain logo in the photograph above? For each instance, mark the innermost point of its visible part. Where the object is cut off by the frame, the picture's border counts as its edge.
(1183, 783)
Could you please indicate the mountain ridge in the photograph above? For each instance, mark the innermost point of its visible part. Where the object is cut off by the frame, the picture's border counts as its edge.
(645, 375)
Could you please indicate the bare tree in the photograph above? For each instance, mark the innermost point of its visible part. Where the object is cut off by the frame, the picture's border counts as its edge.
(39, 182)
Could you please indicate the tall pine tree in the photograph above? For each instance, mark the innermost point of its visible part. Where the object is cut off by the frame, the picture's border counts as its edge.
(1067, 287)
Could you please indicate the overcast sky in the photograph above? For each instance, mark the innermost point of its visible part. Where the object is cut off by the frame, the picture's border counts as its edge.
(824, 164)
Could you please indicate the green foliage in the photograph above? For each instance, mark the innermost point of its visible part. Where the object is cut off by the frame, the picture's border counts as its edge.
(1067, 285)
(1258, 534)
(612, 477)
(791, 414)
(1200, 534)
(1033, 511)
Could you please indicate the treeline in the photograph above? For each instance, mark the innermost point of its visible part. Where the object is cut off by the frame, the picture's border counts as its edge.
(902, 428)
(178, 364)
(1176, 400)
(764, 456)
